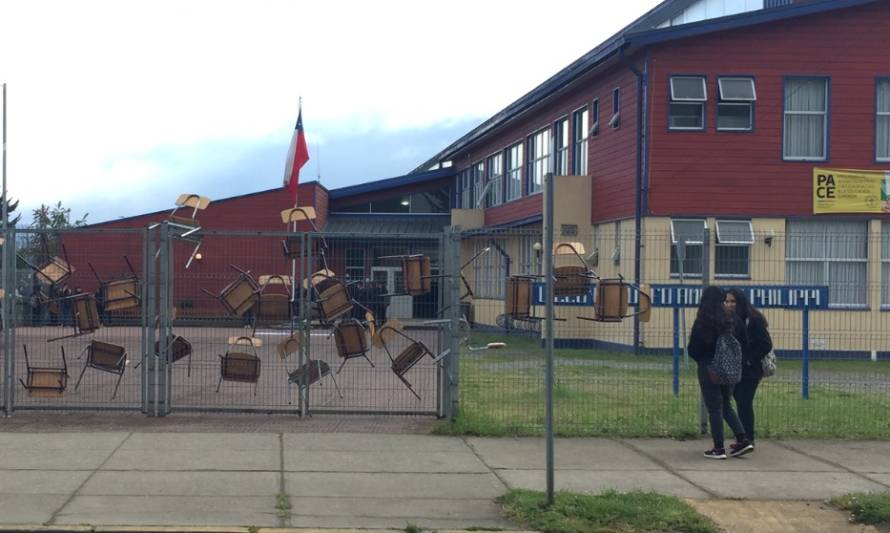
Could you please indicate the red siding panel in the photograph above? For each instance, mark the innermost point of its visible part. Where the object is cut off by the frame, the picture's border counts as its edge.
(743, 173)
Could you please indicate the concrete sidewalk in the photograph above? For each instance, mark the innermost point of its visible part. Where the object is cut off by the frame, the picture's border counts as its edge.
(338, 480)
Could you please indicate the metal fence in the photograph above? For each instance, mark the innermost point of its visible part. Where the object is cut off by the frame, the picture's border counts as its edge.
(634, 378)
(221, 321)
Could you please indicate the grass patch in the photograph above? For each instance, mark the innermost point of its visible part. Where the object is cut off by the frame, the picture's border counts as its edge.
(866, 508)
(621, 395)
(632, 512)
(282, 505)
(412, 528)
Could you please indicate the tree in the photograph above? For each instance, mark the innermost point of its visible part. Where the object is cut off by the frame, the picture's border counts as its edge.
(47, 220)
(11, 206)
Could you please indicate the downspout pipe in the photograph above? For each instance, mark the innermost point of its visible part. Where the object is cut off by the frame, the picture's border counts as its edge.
(642, 109)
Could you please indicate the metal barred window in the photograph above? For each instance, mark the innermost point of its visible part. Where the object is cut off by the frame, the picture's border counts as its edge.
(832, 253)
(733, 250)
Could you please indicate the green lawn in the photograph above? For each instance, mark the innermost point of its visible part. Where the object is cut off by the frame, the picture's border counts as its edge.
(866, 508)
(614, 394)
(633, 512)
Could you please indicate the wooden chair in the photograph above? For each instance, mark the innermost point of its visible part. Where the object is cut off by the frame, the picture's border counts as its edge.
(351, 340)
(612, 301)
(571, 280)
(333, 302)
(105, 357)
(273, 307)
(518, 300)
(86, 315)
(240, 367)
(120, 294)
(290, 345)
(177, 348)
(312, 372)
(239, 296)
(187, 227)
(55, 271)
(410, 355)
(46, 382)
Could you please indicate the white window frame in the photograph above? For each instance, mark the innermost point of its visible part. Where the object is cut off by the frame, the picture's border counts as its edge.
(488, 271)
(529, 261)
(826, 265)
(494, 174)
(351, 268)
(881, 115)
(615, 120)
(594, 118)
(687, 101)
(478, 185)
(513, 174)
(724, 244)
(885, 264)
(823, 114)
(538, 158)
(580, 135)
(465, 180)
(561, 132)
(724, 102)
(689, 244)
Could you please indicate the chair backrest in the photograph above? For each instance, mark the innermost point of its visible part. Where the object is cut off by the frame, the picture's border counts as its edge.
(416, 272)
(334, 301)
(55, 271)
(518, 301)
(611, 300)
(273, 307)
(240, 366)
(107, 356)
(178, 349)
(240, 295)
(409, 357)
(298, 214)
(390, 329)
(290, 345)
(570, 280)
(318, 278)
(86, 315)
(312, 371)
(350, 339)
(121, 294)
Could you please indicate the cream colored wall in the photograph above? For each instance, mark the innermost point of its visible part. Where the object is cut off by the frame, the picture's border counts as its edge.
(468, 218)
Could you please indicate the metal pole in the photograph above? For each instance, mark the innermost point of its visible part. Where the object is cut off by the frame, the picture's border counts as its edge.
(548, 328)
(805, 364)
(8, 350)
(676, 358)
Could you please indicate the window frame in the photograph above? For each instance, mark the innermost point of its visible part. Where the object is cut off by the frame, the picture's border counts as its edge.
(701, 103)
(736, 102)
(513, 175)
(535, 164)
(465, 191)
(885, 265)
(673, 244)
(615, 119)
(347, 268)
(826, 124)
(878, 115)
(495, 196)
(726, 244)
(594, 118)
(561, 157)
(580, 155)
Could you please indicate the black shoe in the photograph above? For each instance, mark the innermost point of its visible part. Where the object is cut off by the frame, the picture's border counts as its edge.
(741, 448)
(716, 453)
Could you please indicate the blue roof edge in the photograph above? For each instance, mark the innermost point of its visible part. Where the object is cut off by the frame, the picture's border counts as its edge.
(390, 183)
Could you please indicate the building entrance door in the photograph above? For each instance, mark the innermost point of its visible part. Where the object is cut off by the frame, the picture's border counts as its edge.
(391, 277)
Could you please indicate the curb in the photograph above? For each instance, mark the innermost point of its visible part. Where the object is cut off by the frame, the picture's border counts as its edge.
(36, 528)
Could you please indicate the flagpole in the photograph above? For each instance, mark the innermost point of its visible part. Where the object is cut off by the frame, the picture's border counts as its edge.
(293, 260)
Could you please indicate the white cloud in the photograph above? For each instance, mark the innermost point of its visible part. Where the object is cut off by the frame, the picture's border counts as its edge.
(96, 86)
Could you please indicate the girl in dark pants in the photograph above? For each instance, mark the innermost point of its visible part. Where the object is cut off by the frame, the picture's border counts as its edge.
(712, 321)
(758, 344)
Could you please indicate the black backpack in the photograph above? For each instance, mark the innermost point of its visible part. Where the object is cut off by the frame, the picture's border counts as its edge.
(726, 367)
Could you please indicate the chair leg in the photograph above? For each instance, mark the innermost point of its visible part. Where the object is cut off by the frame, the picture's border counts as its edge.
(218, 384)
(118, 384)
(256, 386)
(410, 388)
(368, 360)
(336, 386)
(192, 257)
(189, 374)
(80, 377)
(343, 362)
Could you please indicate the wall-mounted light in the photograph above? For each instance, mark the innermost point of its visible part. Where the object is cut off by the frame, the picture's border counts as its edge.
(199, 256)
(405, 202)
(768, 238)
(537, 247)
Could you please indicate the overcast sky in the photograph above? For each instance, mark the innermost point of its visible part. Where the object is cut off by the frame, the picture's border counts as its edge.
(115, 107)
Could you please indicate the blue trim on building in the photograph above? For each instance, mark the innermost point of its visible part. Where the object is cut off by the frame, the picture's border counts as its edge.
(390, 183)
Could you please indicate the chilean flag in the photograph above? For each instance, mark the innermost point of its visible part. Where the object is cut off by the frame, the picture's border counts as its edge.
(297, 155)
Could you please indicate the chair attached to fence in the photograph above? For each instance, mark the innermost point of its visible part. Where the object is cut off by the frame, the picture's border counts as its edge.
(119, 294)
(239, 296)
(240, 367)
(187, 227)
(55, 271)
(612, 301)
(572, 280)
(408, 357)
(105, 357)
(177, 348)
(351, 340)
(332, 300)
(45, 382)
(273, 307)
(416, 274)
(86, 315)
(518, 300)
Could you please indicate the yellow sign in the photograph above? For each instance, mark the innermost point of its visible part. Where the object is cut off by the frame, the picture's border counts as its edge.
(850, 191)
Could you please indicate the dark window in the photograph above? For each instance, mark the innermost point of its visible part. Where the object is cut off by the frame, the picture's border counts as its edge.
(687, 107)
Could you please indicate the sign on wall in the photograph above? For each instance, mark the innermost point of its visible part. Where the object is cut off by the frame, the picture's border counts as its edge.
(850, 191)
(762, 296)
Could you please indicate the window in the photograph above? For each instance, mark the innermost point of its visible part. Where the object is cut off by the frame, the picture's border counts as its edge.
(806, 119)
(514, 171)
(355, 264)
(595, 118)
(615, 121)
(885, 263)
(538, 159)
(478, 185)
(882, 121)
(494, 168)
(692, 232)
(735, 108)
(687, 107)
(733, 251)
(465, 183)
(529, 258)
(488, 270)
(562, 147)
(829, 253)
(392, 204)
(579, 151)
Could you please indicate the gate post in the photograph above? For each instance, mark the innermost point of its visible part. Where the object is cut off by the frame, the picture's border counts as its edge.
(149, 249)
(7, 315)
(451, 263)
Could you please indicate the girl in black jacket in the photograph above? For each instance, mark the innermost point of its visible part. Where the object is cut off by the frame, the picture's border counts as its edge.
(712, 321)
(758, 344)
